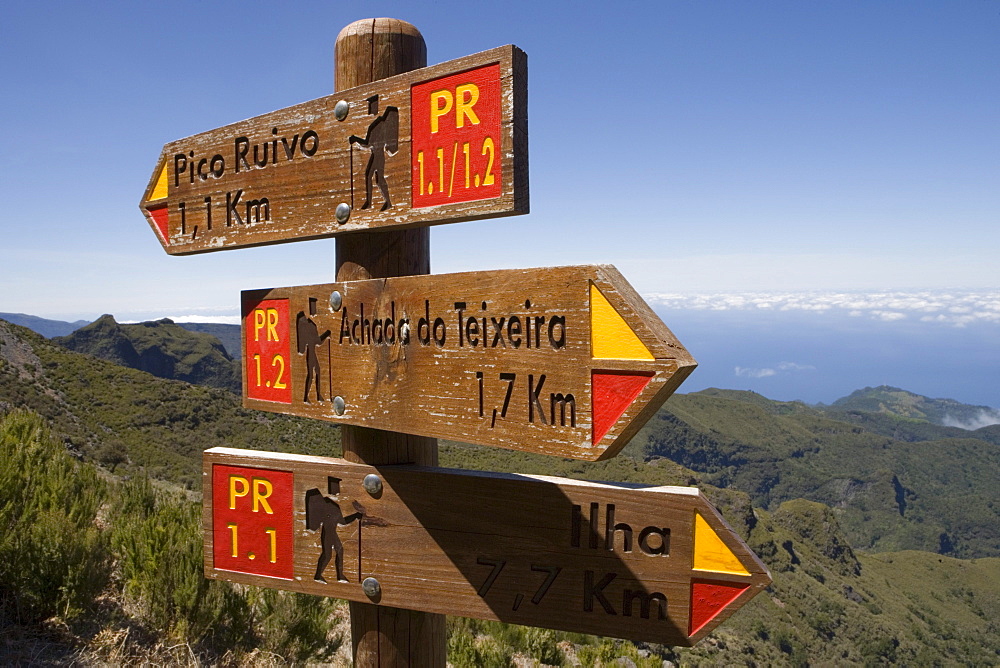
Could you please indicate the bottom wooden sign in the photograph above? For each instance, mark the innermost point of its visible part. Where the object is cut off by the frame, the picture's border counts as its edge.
(656, 564)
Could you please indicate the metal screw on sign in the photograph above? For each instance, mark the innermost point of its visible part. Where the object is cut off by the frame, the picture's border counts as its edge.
(339, 406)
(372, 589)
(343, 212)
(336, 301)
(340, 110)
(372, 484)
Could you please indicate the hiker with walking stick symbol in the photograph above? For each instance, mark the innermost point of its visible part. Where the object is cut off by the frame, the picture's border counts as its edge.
(324, 513)
(382, 139)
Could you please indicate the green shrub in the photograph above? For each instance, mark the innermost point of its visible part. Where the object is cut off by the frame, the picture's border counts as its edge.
(466, 651)
(158, 544)
(53, 558)
(291, 624)
(542, 644)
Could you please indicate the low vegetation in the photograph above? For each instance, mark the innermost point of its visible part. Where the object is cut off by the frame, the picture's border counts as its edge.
(105, 556)
(101, 555)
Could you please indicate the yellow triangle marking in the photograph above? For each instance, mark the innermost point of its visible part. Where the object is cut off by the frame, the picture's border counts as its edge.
(610, 336)
(160, 189)
(710, 553)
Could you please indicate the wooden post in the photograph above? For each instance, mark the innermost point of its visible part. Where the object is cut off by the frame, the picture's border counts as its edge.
(366, 51)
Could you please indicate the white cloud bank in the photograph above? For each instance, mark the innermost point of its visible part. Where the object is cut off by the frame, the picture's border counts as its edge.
(985, 418)
(952, 307)
(217, 318)
(201, 319)
(782, 368)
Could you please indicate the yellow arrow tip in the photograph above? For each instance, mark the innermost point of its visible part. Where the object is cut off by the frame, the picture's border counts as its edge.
(711, 553)
(160, 189)
(612, 337)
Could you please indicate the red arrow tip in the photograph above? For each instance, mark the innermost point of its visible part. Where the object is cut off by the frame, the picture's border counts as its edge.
(160, 217)
(708, 599)
(612, 394)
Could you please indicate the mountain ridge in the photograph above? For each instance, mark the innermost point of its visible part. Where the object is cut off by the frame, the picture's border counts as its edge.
(899, 402)
(119, 416)
(881, 399)
(833, 600)
(933, 490)
(44, 326)
(159, 347)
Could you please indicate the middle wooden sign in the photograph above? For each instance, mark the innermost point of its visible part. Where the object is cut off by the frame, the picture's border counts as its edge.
(565, 361)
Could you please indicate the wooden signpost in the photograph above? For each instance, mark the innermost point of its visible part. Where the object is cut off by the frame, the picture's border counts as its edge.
(565, 361)
(655, 564)
(436, 145)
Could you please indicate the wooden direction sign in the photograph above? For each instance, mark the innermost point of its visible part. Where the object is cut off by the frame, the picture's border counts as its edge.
(436, 145)
(566, 361)
(656, 564)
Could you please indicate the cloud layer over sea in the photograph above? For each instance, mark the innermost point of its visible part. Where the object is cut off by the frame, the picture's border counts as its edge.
(952, 307)
(820, 346)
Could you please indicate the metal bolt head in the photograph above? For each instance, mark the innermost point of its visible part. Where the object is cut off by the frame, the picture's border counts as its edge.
(336, 300)
(340, 109)
(338, 405)
(343, 212)
(372, 588)
(372, 484)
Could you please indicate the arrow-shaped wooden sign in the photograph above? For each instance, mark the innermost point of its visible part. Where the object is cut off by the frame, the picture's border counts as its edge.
(656, 564)
(440, 144)
(566, 361)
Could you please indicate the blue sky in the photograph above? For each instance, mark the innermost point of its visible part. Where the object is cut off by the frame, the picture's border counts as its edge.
(697, 146)
(701, 147)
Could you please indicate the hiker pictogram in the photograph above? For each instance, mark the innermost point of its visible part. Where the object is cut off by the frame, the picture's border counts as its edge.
(324, 513)
(382, 139)
(309, 338)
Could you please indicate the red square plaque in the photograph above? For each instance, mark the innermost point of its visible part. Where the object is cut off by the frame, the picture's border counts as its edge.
(456, 138)
(252, 514)
(267, 365)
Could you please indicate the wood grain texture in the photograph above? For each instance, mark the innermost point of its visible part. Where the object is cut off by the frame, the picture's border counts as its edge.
(532, 550)
(368, 51)
(372, 49)
(301, 161)
(500, 358)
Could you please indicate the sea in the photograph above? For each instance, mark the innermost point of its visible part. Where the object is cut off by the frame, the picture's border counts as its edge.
(817, 348)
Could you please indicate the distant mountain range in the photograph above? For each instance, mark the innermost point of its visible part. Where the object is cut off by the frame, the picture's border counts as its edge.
(883, 399)
(228, 335)
(44, 326)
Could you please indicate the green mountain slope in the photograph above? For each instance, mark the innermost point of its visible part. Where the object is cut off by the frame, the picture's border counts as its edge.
(829, 605)
(937, 494)
(894, 401)
(124, 417)
(161, 348)
(228, 335)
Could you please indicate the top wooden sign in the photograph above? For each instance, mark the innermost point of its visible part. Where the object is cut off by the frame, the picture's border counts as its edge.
(440, 144)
